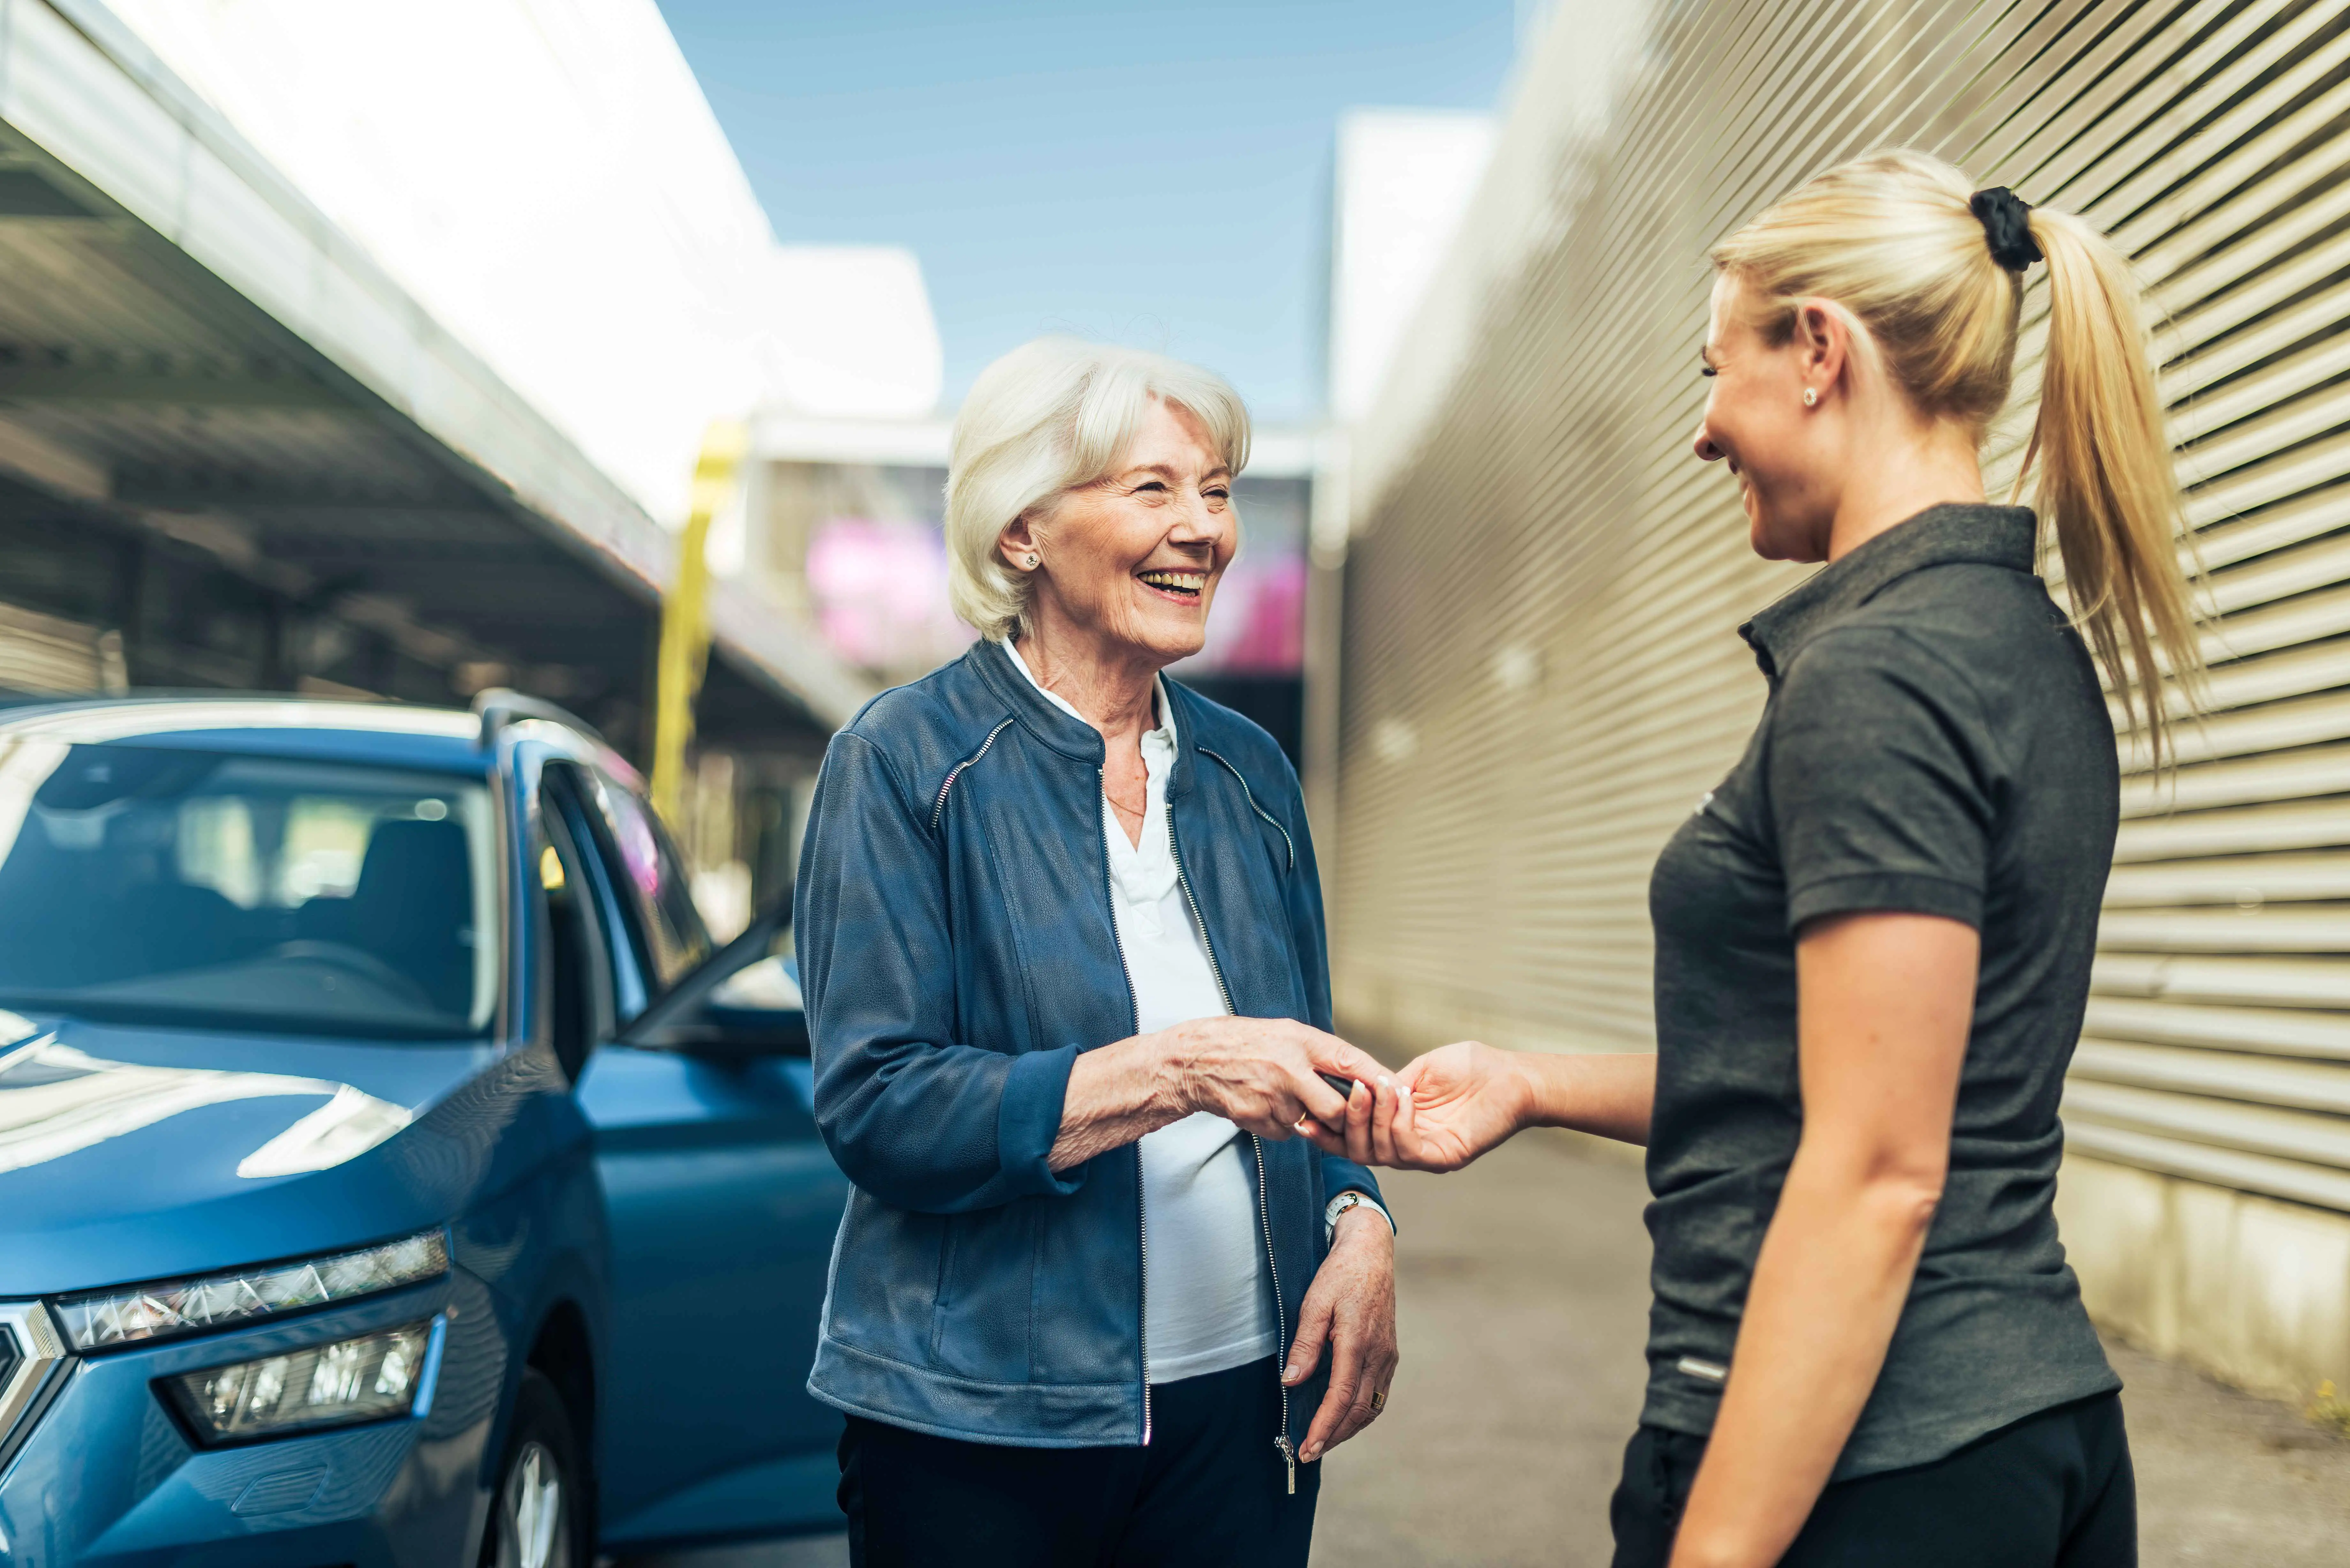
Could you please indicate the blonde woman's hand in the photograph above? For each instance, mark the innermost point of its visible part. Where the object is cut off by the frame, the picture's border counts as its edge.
(1452, 1105)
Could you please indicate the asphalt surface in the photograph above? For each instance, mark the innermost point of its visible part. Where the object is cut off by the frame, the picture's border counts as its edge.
(1522, 1301)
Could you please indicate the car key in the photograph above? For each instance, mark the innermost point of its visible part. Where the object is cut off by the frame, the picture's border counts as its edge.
(1345, 1086)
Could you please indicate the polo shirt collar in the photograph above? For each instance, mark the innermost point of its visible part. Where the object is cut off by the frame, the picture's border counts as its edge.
(1955, 532)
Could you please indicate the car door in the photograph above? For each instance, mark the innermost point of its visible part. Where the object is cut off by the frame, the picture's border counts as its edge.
(722, 1204)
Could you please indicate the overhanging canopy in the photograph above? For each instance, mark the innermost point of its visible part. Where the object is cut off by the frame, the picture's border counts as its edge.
(190, 354)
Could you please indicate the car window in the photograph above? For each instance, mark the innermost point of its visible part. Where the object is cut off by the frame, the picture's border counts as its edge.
(668, 932)
(578, 955)
(211, 890)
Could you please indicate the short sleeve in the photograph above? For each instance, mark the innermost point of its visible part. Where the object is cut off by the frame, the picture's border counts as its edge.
(1881, 780)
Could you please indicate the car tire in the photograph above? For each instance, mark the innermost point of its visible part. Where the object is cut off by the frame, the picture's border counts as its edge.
(537, 1514)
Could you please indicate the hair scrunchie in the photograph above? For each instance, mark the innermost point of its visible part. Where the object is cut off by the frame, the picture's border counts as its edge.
(2006, 218)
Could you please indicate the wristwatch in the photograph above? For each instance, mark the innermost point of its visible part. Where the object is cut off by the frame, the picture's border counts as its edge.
(1351, 1199)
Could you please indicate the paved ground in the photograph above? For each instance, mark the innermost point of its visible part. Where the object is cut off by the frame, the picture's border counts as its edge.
(1524, 1296)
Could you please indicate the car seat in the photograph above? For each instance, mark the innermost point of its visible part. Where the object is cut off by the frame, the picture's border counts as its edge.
(413, 907)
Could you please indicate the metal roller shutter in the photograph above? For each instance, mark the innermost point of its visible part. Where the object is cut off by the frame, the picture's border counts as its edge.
(1540, 677)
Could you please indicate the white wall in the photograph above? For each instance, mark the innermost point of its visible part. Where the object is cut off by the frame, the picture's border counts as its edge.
(546, 177)
(1404, 180)
(850, 335)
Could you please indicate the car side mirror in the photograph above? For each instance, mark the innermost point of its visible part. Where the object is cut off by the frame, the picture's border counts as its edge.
(756, 1011)
(742, 1002)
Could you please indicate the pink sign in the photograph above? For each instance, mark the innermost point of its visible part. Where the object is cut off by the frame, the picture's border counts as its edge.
(880, 591)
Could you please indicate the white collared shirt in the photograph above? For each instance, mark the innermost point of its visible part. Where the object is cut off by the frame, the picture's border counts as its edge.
(1207, 1291)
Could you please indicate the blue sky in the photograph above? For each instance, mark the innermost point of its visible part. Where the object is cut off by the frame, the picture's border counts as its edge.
(1153, 173)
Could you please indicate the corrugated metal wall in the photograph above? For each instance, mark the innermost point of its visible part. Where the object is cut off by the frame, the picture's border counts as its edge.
(1541, 673)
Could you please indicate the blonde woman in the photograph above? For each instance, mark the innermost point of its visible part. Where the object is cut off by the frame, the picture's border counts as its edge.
(1873, 936)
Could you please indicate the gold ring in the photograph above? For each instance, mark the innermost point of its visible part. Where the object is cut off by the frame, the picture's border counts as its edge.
(1378, 1400)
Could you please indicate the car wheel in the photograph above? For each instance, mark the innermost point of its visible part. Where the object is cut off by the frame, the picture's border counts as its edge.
(535, 1517)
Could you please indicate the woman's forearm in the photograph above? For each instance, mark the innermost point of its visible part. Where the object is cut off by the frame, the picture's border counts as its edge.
(1607, 1095)
(1115, 1094)
(1828, 1288)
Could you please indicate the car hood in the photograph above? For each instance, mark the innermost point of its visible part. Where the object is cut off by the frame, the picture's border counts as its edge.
(135, 1153)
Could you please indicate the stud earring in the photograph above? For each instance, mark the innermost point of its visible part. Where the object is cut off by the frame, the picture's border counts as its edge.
(1029, 561)
(1811, 398)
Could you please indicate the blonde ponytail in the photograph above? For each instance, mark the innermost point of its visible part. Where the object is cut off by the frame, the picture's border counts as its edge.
(1896, 239)
(2106, 485)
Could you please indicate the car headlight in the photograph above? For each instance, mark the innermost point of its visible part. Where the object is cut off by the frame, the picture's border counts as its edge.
(389, 1373)
(106, 1318)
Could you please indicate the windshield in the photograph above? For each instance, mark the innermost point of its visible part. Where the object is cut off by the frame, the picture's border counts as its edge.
(151, 884)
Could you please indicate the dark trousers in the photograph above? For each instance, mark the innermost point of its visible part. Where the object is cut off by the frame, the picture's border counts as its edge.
(2052, 1491)
(1211, 1490)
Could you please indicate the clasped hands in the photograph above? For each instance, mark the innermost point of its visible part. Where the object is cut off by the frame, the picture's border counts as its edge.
(1273, 1077)
(1438, 1113)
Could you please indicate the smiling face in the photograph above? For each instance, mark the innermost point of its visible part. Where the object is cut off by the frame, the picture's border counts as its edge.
(1130, 562)
(1783, 449)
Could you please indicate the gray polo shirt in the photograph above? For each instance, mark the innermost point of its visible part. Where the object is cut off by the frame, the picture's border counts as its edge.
(1934, 742)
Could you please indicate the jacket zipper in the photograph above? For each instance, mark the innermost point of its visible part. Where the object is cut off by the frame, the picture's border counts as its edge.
(1249, 796)
(939, 808)
(1134, 1025)
(1280, 1315)
(1288, 1449)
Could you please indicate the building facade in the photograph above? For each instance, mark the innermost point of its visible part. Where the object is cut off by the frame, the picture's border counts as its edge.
(1539, 673)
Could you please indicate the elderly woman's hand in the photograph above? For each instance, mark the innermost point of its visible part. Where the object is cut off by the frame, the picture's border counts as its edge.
(1262, 1073)
(1351, 1306)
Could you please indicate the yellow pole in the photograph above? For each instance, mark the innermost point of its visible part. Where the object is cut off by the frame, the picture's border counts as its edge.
(685, 618)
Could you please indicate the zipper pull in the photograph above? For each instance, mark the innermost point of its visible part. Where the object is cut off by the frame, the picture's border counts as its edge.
(1288, 1460)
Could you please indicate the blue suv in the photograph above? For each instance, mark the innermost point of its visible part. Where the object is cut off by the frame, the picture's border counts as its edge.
(390, 1173)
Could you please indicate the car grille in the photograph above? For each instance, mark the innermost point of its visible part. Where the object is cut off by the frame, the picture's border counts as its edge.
(30, 1350)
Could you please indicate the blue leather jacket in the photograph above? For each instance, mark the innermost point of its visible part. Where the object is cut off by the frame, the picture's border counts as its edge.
(957, 952)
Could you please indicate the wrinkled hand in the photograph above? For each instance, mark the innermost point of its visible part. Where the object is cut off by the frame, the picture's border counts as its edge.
(1260, 1073)
(1442, 1111)
(1351, 1307)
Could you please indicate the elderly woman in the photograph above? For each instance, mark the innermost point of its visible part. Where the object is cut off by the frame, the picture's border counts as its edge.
(1061, 939)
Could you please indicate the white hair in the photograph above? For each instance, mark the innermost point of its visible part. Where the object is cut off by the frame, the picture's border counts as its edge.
(1054, 414)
